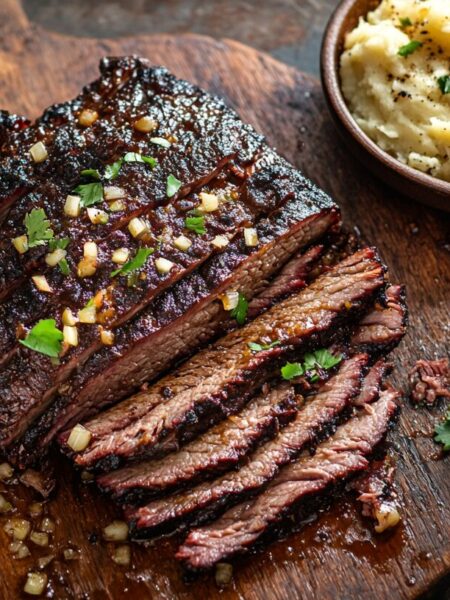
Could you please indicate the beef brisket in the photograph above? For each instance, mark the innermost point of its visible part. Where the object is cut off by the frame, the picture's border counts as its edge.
(343, 455)
(218, 449)
(226, 372)
(319, 413)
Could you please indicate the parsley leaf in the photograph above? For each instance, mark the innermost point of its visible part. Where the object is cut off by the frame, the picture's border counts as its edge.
(240, 312)
(90, 193)
(325, 359)
(291, 370)
(159, 141)
(64, 267)
(442, 432)
(173, 185)
(111, 171)
(38, 228)
(91, 173)
(405, 22)
(135, 263)
(444, 84)
(58, 243)
(196, 224)
(254, 347)
(409, 48)
(136, 157)
(45, 338)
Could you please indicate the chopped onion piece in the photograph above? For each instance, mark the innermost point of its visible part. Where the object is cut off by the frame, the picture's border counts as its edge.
(88, 315)
(70, 335)
(79, 438)
(145, 124)
(90, 250)
(224, 574)
(107, 337)
(35, 584)
(87, 117)
(47, 525)
(70, 554)
(17, 528)
(122, 555)
(120, 256)
(97, 216)
(182, 243)
(21, 244)
(117, 206)
(117, 531)
(230, 300)
(113, 192)
(68, 318)
(72, 207)
(210, 202)
(19, 550)
(35, 509)
(38, 152)
(220, 241)
(251, 236)
(40, 281)
(87, 267)
(6, 471)
(137, 227)
(163, 265)
(40, 538)
(55, 257)
(44, 561)
(5, 506)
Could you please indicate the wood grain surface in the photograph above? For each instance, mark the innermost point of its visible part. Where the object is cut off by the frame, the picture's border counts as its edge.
(336, 556)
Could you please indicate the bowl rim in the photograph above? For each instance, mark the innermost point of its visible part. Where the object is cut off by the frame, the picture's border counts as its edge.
(329, 65)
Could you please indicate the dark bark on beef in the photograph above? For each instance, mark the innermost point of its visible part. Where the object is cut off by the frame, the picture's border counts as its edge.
(383, 328)
(319, 415)
(345, 454)
(218, 449)
(228, 370)
(430, 380)
(373, 382)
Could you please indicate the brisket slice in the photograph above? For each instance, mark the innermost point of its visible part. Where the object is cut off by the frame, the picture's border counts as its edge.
(372, 384)
(218, 449)
(319, 413)
(181, 318)
(383, 327)
(343, 455)
(214, 382)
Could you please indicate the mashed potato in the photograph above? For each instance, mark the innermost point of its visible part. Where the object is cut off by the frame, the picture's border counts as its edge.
(395, 74)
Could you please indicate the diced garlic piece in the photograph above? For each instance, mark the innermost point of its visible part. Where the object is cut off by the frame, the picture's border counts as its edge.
(230, 300)
(53, 258)
(182, 243)
(107, 337)
(117, 206)
(68, 318)
(145, 124)
(387, 516)
(38, 152)
(5, 506)
(20, 244)
(120, 256)
(44, 561)
(40, 281)
(72, 206)
(40, 538)
(88, 315)
(47, 525)
(17, 528)
(79, 438)
(19, 550)
(6, 471)
(35, 584)
(137, 227)
(251, 236)
(87, 267)
(112, 192)
(210, 202)
(224, 574)
(117, 531)
(35, 509)
(220, 241)
(70, 334)
(122, 555)
(87, 117)
(97, 216)
(163, 265)
(90, 250)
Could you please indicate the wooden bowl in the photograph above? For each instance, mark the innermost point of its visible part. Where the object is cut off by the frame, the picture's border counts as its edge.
(405, 179)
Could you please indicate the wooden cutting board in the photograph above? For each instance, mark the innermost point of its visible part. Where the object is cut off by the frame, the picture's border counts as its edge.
(336, 556)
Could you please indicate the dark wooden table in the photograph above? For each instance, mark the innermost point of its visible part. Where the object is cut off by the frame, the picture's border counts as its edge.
(289, 30)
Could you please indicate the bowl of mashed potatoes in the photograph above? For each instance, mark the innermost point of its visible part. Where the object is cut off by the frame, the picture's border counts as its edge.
(386, 77)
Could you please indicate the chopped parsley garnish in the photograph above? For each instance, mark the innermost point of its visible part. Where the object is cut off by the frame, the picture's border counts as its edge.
(159, 141)
(91, 173)
(173, 185)
(64, 267)
(444, 84)
(240, 312)
(442, 432)
(135, 263)
(90, 193)
(405, 22)
(254, 347)
(58, 243)
(38, 228)
(409, 48)
(196, 224)
(45, 338)
(111, 171)
(312, 363)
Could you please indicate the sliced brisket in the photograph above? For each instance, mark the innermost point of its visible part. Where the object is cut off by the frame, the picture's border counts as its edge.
(320, 413)
(345, 454)
(216, 379)
(218, 449)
